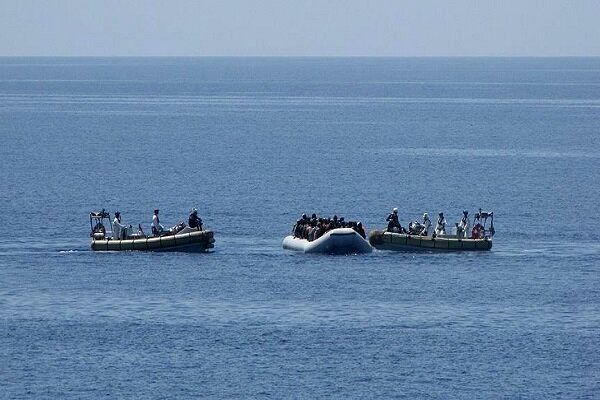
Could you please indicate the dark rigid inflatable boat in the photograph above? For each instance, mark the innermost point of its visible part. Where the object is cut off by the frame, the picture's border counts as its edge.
(403, 242)
(186, 240)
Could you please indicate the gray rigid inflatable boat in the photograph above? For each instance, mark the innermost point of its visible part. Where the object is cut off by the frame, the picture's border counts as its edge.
(402, 242)
(187, 240)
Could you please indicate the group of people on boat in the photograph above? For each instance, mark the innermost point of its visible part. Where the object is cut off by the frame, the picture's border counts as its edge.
(463, 229)
(194, 221)
(122, 231)
(414, 228)
(312, 228)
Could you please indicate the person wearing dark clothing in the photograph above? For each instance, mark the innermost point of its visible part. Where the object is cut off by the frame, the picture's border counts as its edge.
(319, 230)
(361, 230)
(298, 229)
(335, 223)
(195, 221)
(393, 222)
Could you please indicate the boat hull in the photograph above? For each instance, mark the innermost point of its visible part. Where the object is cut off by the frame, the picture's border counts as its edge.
(196, 241)
(402, 242)
(335, 241)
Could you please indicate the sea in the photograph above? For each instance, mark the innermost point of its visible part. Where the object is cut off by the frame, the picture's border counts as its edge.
(255, 142)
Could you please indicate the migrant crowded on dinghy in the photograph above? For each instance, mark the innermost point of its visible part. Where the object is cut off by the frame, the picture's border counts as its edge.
(313, 228)
(327, 235)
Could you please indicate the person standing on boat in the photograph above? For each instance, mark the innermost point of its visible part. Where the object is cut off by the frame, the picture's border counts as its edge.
(426, 225)
(194, 221)
(440, 227)
(157, 228)
(118, 227)
(463, 225)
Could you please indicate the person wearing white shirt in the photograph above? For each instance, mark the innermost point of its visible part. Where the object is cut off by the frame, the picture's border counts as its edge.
(118, 227)
(426, 225)
(440, 227)
(157, 228)
(463, 225)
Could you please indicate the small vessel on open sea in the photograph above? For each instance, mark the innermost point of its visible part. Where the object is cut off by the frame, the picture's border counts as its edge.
(383, 240)
(480, 238)
(178, 238)
(327, 235)
(335, 241)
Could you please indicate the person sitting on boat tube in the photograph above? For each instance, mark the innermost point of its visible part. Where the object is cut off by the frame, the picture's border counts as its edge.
(157, 228)
(440, 227)
(195, 221)
(300, 227)
(463, 226)
(393, 222)
(118, 227)
(361, 231)
(296, 230)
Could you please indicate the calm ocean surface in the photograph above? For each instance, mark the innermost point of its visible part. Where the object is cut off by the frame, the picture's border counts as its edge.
(255, 142)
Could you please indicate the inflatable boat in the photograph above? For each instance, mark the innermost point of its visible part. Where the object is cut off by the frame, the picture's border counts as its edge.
(402, 242)
(335, 241)
(186, 240)
(178, 238)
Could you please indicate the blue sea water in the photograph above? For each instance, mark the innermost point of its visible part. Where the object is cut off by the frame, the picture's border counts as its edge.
(255, 142)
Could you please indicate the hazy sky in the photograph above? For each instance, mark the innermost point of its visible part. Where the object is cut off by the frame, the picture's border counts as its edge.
(299, 27)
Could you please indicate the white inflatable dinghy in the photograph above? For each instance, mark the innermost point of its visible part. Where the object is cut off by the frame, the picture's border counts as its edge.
(335, 241)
